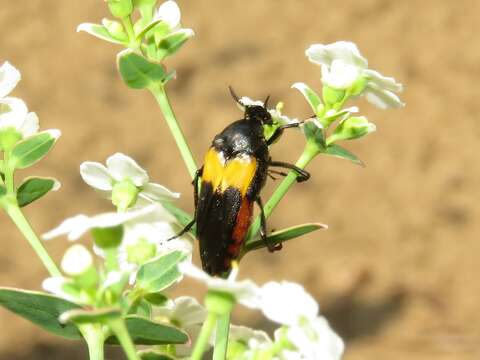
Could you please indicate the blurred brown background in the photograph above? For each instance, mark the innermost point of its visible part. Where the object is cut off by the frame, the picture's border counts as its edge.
(396, 273)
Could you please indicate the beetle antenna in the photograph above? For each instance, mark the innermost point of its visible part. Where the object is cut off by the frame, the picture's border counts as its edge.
(265, 103)
(235, 96)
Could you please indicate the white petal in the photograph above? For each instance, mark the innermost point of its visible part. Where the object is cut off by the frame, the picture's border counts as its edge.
(122, 167)
(170, 13)
(254, 338)
(193, 271)
(66, 227)
(187, 312)
(340, 75)
(343, 50)
(381, 98)
(157, 192)
(384, 82)
(287, 302)
(249, 102)
(13, 112)
(30, 125)
(77, 260)
(96, 175)
(55, 285)
(9, 78)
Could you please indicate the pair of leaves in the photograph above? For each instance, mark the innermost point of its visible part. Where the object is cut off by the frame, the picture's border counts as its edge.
(45, 311)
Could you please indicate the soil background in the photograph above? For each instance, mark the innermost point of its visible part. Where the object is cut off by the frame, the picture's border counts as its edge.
(397, 271)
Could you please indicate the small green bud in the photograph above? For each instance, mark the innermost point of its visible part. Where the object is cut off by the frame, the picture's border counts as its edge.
(352, 128)
(124, 194)
(140, 252)
(235, 350)
(332, 96)
(115, 29)
(108, 237)
(358, 86)
(120, 8)
(9, 137)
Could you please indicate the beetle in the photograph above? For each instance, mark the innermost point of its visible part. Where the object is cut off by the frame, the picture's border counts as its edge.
(234, 172)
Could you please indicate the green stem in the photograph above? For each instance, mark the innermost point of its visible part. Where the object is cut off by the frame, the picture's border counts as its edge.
(127, 23)
(308, 154)
(95, 339)
(162, 99)
(204, 336)
(221, 337)
(23, 225)
(120, 330)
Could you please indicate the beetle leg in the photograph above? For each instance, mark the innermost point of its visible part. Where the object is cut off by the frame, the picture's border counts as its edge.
(279, 131)
(187, 227)
(263, 228)
(198, 174)
(302, 175)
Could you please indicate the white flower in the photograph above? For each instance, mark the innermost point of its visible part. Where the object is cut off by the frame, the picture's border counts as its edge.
(169, 12)
(287, 303)
(315, 340)
(13, 111)
(253, 339)
(77, 260)
(142, 241)
(245, 292)
(121, 168)
(343, 65)
(186, 313)
(78, 225)
(62, 287)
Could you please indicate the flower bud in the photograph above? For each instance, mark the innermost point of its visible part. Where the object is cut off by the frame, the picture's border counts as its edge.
(140, 252)
(115, 29)
(120, 8)
(77, 260)
(352, 128)
(124, 194)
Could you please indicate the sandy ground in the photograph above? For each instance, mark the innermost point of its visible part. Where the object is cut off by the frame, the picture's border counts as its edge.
(396, 273)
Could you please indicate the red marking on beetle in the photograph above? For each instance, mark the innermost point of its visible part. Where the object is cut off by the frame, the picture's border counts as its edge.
(242, 224)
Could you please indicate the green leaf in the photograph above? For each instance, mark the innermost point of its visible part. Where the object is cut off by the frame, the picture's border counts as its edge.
(3, 191)
(154, 355)
(141, 308)
(41, 309)
(283, 235)
(146, 332)
(33, 188)
(171, 43)
(340, 152)
(157, 299)
(137, 72)
(81, 316)
(311, 96)
(100, 32)
(182, 217)
(160, 273)
(32, 149)
(141, 33)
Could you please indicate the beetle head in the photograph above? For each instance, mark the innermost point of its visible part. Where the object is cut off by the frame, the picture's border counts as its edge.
(254, 112)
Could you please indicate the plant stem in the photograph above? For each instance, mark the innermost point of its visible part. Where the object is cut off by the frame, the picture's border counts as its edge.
(308, 154)
(120, 330)
(132, 41)
(204, 336)
(162, 99)
(221, 337)
(23, 225)
(9, 172)
(94, 338)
